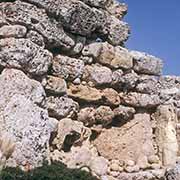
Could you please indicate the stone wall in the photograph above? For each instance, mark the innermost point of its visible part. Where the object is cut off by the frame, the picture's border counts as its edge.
(72, 92)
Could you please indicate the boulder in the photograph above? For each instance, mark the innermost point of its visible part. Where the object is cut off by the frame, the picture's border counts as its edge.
(146, 64)
(84, 93)
(61, 107)
(55, 85)
(35, 18)
(128, 141)
(25, 55)
(67, 68)
(166, 139)
(99, 75)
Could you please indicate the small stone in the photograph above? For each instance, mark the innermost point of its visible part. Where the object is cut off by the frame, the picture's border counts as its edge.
(55, 85)
(111, 97)
(130, 163)
(114, 173)
(104, 115)
(114, 167)
(142, 162)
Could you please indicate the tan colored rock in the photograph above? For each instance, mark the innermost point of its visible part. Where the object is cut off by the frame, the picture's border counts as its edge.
(87, 116)
(84, 93)
(104, 115)
(142, 162)
(111, 97)
(115, 57)
(73, 130)
(128, 141)
(166, 134)
(55, 85)
(114, 167)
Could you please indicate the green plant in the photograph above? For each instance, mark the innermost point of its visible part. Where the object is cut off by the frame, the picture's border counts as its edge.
(55, 171)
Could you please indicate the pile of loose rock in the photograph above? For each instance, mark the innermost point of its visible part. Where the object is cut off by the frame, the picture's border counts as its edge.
(70, 91)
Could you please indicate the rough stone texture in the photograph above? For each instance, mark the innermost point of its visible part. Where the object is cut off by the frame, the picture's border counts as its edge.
(35, 18)
(72, 129)
(24, 54)
(15, 82)
(104, 101)
(104, 115)
(124, 112)
(23, 119)
(115, 57)
(55, 85)
(67, 68)
(99, 75)
(166, 134)
(127, 142)
(84, 93)
(173, 173)
(140, 100)
(16, 31)
(87, 116)
(111, 97)
(146, 64)
(60, 107)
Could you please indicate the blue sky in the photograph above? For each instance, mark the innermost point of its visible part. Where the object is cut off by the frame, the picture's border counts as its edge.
(155, 29)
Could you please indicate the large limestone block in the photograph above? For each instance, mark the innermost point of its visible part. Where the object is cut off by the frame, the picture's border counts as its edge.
(35, 18)
(146, 64)
(128, 142)
(67, 68)
(14, 82)
(29, 128)
(84, 93)
(166, 139)
(24, 54)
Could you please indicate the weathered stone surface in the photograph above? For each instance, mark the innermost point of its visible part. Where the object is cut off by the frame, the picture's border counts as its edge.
(87, 116)
(24, 54)
(55, 85)
(104, 115)
(28, 124)
(118, 31)
(146, 64)
(115, 57)
(99, 75)
(60, 107)
(67, 68)
(36, 38)
(36, 19)
(127, 142)
(124, 112)
(146, 175)
(16, 31)
(173, 173)
(111, 97)
(14, 82)
(84, 93)
(92, 49)
(166, 134)
(140, 100)
(72, 129)
(148, 84)
(126, 81)
(79, 18)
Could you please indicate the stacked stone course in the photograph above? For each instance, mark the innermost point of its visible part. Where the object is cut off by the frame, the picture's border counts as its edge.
(72, 92)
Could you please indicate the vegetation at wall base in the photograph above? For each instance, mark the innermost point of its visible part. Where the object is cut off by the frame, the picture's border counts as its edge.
(55, 171)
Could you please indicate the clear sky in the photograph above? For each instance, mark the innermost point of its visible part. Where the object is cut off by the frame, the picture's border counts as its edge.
(155, 29)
